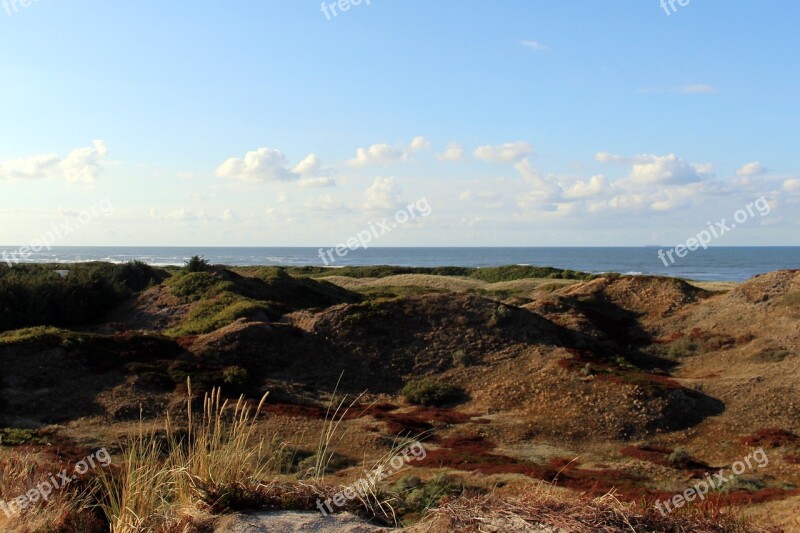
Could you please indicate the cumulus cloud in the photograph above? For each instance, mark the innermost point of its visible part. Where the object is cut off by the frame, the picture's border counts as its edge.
(751, 170)
(384, 193)
(654, 169)
(454, 152)
(594, 186)
(385, 154)
(310, 166)
(419, 144)
(267, 164)
(81, 165)
(668, 169)
(264, 164)
(792, 185)
(504, 153)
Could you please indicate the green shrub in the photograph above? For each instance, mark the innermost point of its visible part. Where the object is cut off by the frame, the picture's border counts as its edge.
(210, 315)
(193, 284)
(236, 376)
(18, 437)
(431, 393)
(38, 334)
(197, 264)
(791, 299)
(462, 358)
(679, 458)
(416, 496)
(501, 315)
(682, 347)
(771, 356)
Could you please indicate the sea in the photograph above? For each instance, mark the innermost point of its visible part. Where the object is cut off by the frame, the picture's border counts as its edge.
(712, 264)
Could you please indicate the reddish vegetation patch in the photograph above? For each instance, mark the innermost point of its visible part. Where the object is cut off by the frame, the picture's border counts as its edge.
(561, 463)
(476, 458)
(441, 416)
(419, 420)
(62, 449)
(474, 444)
(650, 454)
(186, 342)
(771, 437)
(611, 374)
(403, 424)
(660, 456)
(764, 495)
(295, 411)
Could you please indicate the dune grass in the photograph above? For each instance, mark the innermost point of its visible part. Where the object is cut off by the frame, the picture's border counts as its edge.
(218, 463)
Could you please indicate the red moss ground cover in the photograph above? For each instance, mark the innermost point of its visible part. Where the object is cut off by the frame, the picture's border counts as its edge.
(771, 437)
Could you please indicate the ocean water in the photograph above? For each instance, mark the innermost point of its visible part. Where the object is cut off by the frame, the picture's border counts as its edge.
(713, 264)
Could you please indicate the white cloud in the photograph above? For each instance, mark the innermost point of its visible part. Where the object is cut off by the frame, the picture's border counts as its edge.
(83, 164)
(481, 195)
(384, 193)
(751, 170)
(34, 167)
(385, 154)
(320, 181)
(653, 169)
(792, 185)
(419, 144)
(697, 88)
(668, 169)
(80, 165)
(326, 203)
(264, 164)
(536, 45)
(504, 153)
(595, 186)
(454, 152)
(310, 166)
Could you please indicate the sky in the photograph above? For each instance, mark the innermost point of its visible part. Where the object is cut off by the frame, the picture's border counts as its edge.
(295, 123)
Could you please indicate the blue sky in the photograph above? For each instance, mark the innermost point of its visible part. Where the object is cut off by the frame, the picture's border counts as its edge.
(240, 123)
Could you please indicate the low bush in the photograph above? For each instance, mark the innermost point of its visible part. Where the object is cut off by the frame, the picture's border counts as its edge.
(416, 497)
(431, 393)
(679, 458)
(771, 356)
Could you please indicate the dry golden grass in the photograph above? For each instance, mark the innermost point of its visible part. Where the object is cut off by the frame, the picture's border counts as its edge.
(163, 480)
(446, 283)
(543, 509)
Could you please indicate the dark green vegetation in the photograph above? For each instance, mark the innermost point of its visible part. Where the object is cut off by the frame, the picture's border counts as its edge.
(431, 393)
(267, 293)
(490, 275)
(18, 437)
(416, 496)
(36, 295)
